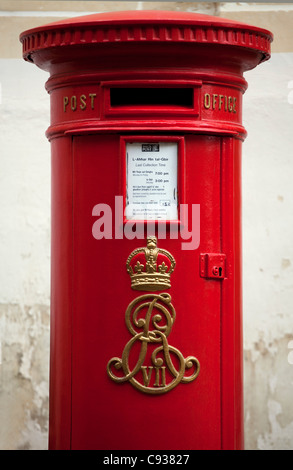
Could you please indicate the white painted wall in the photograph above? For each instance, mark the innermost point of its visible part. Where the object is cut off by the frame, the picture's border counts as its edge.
(267, 200)
(25, 184)
(24, 255)
(268, 254)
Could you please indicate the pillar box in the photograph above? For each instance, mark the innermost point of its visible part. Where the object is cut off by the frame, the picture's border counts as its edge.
(146, 134)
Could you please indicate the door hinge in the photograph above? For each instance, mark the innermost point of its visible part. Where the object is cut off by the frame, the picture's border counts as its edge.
(212, 265)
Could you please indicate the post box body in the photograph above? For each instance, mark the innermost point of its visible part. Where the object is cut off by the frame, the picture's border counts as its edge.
(127, 91)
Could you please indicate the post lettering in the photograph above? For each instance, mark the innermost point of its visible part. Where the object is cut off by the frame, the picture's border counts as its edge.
(79, 102)
(83, 102)
(92, 97)
(65, 102)
(73, 103)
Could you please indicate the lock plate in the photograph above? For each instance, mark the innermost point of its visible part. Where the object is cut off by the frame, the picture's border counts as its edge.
(213, 265)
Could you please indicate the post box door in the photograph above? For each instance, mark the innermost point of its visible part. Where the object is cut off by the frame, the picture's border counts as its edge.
(103, 411)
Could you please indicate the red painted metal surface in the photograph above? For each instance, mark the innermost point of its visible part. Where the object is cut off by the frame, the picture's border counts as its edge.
(145, 76)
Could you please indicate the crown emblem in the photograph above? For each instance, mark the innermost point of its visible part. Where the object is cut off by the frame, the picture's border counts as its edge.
(150, 268)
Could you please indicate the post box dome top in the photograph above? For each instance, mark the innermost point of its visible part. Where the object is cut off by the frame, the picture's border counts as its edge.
(145, 27)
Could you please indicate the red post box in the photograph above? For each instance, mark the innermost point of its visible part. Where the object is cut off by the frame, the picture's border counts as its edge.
(146, 133)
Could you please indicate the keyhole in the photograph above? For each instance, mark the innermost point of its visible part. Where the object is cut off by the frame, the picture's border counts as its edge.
(220, 272)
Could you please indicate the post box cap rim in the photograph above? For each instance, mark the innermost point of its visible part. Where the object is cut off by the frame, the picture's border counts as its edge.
(151, 17)
(180, 25)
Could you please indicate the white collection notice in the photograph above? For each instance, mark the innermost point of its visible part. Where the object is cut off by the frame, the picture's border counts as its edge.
(151, 181)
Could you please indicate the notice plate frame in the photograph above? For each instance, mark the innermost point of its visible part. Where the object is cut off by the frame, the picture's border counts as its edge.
(151, 139)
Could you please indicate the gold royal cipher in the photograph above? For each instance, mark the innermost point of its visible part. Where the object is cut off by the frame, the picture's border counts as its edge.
(158, 367)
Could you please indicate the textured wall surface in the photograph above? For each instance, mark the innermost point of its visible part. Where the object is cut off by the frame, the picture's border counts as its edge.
(25, 226)
(268, 255)
(25, 257)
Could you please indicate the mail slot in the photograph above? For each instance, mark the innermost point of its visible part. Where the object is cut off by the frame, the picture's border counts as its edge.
(146, 315)
(182, 97)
